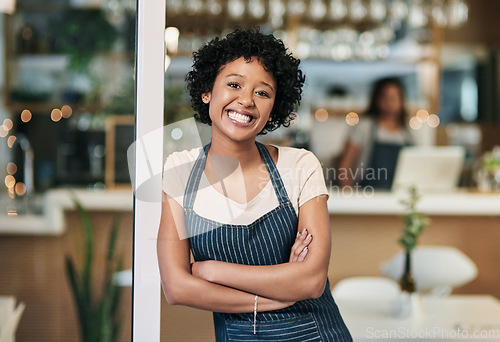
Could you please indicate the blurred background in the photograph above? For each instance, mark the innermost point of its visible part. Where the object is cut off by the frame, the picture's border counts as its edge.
(67, 106)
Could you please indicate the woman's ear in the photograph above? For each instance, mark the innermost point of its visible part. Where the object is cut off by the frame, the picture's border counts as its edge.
(205, 97)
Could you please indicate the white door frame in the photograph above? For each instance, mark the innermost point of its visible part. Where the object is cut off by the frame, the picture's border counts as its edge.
(149, 77)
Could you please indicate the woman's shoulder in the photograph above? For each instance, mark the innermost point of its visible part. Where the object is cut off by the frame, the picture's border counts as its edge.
(293, 156)
(184, 157)
(365, 122)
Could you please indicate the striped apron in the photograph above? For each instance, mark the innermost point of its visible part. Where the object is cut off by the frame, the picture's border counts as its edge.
(266, 241)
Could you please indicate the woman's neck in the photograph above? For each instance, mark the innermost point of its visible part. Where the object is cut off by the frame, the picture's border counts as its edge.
(389, 123)
(246, 152)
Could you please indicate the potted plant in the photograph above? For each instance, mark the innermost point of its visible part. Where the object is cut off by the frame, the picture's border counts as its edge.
(97, 315)
(414, 224)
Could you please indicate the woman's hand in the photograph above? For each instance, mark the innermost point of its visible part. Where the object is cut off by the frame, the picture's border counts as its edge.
(200, 269)
(299, 248)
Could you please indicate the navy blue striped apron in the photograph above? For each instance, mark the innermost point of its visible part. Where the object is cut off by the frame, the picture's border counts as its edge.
(266, 241)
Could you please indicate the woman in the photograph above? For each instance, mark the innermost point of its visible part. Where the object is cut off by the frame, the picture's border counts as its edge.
(248, 212)
(372, 151)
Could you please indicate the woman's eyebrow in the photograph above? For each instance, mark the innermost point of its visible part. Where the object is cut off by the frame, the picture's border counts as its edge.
(262, 82)
(267, 85)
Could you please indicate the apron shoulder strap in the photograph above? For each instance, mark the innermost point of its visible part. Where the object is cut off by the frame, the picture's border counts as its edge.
(194, 178)
(276, 180)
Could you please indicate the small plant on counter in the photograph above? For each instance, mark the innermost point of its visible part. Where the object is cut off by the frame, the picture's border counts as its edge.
(97, 314)
(414, 224)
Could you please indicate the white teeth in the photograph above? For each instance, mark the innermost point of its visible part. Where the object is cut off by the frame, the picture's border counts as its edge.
(239, 117)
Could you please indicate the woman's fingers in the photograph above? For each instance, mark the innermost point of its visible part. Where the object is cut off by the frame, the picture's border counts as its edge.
(294, 253)
(302, 240)
(302, 254)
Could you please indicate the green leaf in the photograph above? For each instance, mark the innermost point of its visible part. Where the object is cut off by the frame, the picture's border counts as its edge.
(98, 322)
(81, 304)
(414, 221)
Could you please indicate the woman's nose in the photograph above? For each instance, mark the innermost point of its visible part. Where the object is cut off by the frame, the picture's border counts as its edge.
(246, 98)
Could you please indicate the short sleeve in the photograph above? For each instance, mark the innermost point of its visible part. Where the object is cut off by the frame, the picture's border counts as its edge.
(312, 180)
(176, 172)
(360, 134)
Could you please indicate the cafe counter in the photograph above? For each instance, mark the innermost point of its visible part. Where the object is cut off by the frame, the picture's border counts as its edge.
(55, 202)
(366, 229)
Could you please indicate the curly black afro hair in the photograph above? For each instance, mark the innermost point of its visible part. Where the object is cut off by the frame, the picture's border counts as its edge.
(271, 53)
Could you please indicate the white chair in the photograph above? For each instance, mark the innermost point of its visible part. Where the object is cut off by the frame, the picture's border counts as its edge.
(123, 278)
(436, 269)
(9, 326)
(366, 288)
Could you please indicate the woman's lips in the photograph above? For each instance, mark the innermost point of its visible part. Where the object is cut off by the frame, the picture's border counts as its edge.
(240, 119)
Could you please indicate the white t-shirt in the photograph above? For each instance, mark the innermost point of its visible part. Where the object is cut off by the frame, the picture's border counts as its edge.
(299, 169)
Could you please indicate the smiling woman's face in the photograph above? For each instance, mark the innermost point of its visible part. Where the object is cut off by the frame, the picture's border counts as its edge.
(390, 101)
(241, 100)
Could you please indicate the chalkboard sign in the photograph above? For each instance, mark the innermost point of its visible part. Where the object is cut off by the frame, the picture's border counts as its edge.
(119, 137)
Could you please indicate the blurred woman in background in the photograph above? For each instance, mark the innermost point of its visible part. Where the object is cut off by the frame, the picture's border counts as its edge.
(371, 152)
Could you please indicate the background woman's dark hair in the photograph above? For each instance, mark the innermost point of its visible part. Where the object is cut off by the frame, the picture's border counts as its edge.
(373, 110)
(271, 53)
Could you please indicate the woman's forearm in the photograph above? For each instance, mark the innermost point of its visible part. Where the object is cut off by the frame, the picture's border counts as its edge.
(284, 282)
(201, 294)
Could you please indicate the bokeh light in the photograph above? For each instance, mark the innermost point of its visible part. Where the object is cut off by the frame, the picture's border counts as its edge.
(11, 140)
(422, 115)
(66, 111)
(10, 181)
(352, 119)
(11, 168)
(415, 123)
(433, 121)
(176, 133)
(3, 131)
(26, 115)
(20, 188)
(321, 115)
(8, 124)
(56, 114)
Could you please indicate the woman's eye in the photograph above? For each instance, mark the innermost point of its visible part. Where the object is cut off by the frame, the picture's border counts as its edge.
(234, 85)
(262, 93)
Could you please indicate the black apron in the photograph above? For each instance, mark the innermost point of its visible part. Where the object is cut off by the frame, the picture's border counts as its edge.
(382, 162)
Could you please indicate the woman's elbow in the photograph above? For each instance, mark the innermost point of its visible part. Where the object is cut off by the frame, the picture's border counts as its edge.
(317, 286)
(171, 298)
(174, 292)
